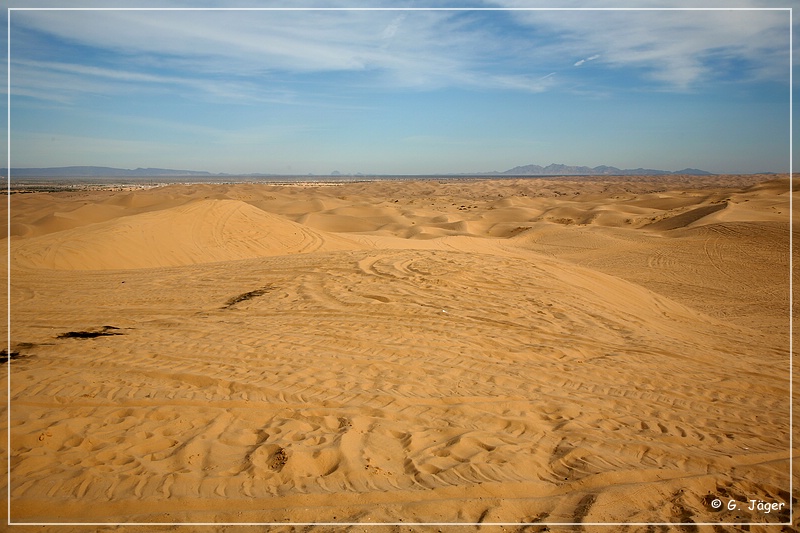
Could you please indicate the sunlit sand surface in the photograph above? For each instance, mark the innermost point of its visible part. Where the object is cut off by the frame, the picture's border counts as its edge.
(417, 351)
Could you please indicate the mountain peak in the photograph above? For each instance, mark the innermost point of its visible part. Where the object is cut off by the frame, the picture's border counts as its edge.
(557, 169)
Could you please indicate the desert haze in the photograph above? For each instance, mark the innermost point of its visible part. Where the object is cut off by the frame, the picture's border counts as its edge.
(482, 351)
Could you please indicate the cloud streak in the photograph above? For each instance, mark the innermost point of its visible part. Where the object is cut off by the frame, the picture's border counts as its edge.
(674, 50)
(238, 54)
(67, 82)
(582, 61)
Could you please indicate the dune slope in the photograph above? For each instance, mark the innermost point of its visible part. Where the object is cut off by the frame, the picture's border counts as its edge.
(199, 231)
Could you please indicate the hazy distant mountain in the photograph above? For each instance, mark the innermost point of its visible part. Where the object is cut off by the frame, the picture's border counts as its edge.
(526, 170)
(65, 172)
(603, 170)
(693, 172)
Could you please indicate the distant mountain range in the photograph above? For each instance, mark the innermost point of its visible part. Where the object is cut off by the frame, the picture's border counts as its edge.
(526, 170)
(603, 170)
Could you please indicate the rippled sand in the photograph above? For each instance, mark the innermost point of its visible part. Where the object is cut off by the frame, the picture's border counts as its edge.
(463, 351)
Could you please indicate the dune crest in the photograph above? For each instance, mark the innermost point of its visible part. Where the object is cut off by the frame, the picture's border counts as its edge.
(201, 231)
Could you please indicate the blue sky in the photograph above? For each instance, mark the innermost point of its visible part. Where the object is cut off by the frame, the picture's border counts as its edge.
(400, 92)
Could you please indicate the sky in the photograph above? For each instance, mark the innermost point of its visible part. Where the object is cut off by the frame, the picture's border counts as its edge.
(400, 91)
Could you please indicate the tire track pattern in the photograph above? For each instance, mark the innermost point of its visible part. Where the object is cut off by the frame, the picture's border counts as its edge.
(372, 371)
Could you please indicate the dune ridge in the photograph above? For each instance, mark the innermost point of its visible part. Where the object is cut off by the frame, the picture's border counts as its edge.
(526, 351)
(200, 231)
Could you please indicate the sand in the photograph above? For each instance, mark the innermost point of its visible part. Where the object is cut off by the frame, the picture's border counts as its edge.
(523, 350)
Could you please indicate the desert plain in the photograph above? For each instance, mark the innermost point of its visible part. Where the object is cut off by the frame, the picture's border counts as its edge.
(494, 351)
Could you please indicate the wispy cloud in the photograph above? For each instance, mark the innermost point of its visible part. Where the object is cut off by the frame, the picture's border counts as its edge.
(673, 49)
(422, 49)
(392, 28)
(64, 82)
(582, 61)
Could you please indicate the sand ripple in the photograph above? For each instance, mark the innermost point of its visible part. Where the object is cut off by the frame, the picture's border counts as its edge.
(261, 370)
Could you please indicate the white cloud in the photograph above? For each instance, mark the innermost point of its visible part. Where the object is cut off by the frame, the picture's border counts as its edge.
(678, 49)
(219, 53)
(392, 28)
(63, 82)
(582, 61)
(425, 49)
(233, 41)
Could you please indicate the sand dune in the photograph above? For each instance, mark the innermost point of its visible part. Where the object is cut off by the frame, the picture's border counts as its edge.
(686, 218)
(402, 351)
(200, 231)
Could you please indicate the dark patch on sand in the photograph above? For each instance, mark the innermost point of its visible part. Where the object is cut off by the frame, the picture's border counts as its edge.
(583, 508)
(278, 460)
(105, 331)
(5, 356)
(247, 296)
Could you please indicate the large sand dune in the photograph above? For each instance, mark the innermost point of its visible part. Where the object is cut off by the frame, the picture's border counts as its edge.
(460, 351)
(200, 231)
